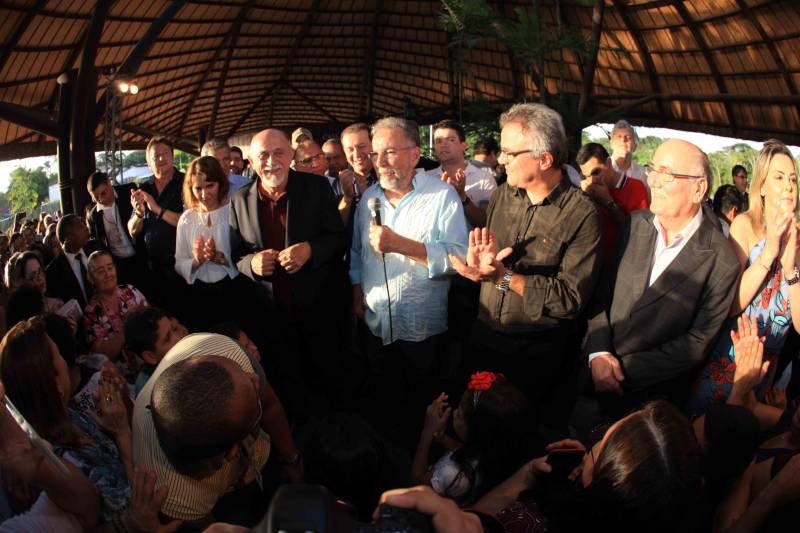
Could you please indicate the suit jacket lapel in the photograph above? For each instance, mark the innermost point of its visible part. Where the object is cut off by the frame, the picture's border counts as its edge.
(97, 217)
(294, 189)
(683, 267)
(252, 216)
(644, 248)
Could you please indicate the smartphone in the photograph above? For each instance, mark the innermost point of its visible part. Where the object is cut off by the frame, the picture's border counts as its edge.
(564, 461)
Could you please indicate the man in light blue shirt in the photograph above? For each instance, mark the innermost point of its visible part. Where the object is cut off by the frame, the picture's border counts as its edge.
(422, 222)
(221, 151)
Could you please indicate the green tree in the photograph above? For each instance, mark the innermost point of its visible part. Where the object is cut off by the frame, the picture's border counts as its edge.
(182, 159)
(28, 188)
(134, 159)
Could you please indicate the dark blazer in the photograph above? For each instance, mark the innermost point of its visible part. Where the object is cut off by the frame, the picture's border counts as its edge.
(662, 333)
(311, 216)
(62, 283)
(124, 209)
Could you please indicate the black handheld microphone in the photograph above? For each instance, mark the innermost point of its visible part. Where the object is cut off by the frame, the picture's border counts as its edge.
(374, 205)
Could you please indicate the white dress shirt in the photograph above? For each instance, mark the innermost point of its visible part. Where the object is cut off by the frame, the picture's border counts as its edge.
(118, 240)
(76, 269)
(206, 224)
(665, 254)
(478, 184)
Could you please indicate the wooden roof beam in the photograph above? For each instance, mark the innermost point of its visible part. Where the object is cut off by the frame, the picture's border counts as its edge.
(310, 101)
(588, 74)
(19, 31)
(310, 14)
(773, 50)
(641, 47)
(793, 99)
(130, 66)
(33, 119)
(200, 84)
(368, 86)
(712, 66)
(234, 38)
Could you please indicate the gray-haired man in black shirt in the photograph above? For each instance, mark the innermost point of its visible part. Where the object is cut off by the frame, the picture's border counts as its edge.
(538, 261)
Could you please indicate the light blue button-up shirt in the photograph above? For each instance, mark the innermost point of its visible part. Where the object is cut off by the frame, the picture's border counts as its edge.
(431, 214)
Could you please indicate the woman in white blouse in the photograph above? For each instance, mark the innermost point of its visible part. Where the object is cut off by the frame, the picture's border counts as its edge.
(203, 247)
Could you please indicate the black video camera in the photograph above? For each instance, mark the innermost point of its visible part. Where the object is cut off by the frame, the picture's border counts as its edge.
(301, 508)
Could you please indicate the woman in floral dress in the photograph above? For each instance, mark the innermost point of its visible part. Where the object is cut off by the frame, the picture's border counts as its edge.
(765, 240)
(104, 316)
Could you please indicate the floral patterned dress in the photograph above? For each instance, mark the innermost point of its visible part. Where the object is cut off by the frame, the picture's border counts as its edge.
(770, 307)
(101, 323)
(101, 463)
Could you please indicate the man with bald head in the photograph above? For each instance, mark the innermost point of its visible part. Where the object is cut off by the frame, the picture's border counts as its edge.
(287, 237)
(669, 288)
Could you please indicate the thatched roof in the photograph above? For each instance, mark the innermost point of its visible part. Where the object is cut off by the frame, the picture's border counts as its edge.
(728, 67)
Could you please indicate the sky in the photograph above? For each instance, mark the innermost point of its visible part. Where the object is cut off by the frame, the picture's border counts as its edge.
(709, 143)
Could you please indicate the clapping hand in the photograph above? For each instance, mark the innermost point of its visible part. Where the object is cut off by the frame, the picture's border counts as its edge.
(458, 181)
(484, 263)
(198, 250)
(748, 349)
(113, 416)
(436, 416)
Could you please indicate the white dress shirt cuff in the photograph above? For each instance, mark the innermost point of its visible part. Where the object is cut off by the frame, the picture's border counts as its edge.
(594, 355)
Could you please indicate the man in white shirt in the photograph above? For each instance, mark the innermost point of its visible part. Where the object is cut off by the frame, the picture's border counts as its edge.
(624, 142)
(221, 151)
(108, 224)
(668, 290)
(473, 185)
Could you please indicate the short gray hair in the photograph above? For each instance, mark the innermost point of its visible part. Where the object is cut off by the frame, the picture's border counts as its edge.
(543, 127)
(212, 145)
(409, 127)
(623, 124)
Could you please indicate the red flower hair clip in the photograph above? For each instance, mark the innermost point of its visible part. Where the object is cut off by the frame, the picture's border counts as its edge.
(481, 381)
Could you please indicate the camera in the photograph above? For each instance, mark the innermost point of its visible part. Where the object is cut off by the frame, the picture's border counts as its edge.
(302, 508)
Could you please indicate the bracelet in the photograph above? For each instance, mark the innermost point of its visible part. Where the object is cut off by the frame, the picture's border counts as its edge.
(160, 214)
(795, 277)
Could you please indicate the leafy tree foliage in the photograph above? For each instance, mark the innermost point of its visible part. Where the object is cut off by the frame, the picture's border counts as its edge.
(28, 188)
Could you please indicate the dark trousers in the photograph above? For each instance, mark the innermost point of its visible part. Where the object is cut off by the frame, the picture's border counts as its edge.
(541, 364)
(403, 381)
(168, 290)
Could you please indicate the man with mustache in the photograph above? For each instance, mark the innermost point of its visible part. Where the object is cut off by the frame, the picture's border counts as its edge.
(399, 270)
(287, 237)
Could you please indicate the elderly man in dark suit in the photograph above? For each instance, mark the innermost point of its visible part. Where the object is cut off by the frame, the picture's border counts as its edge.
(108, 224)
(287, 237)
(669, 289)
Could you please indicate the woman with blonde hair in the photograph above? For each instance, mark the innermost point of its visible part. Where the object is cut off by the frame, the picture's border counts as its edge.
(765, 241)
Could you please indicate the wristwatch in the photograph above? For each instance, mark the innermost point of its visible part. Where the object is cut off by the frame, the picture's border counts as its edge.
(503, 285)
(611, 205)
(295, 460)
(795, 277)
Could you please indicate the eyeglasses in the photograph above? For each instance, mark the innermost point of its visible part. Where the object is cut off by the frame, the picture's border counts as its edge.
(668, 177)
(391, 154)
(36, 274)
(510, 156)
(310, 160)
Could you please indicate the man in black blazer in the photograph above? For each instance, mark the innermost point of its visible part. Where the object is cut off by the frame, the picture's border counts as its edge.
(66, 274)
(108, 224)
(287, 237)
(668, 289)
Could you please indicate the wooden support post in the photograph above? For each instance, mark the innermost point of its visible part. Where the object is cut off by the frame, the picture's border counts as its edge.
(82, 125)
(65, 84)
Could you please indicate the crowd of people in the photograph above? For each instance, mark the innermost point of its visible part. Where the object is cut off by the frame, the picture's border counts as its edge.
(535, 341)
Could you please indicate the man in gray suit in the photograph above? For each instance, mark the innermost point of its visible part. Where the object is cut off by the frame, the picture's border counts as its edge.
(668, 288)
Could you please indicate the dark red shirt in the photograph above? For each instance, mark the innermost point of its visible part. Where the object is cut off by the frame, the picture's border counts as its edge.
(272, 213)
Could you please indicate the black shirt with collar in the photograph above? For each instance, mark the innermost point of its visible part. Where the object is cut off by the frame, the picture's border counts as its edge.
(160, 235)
